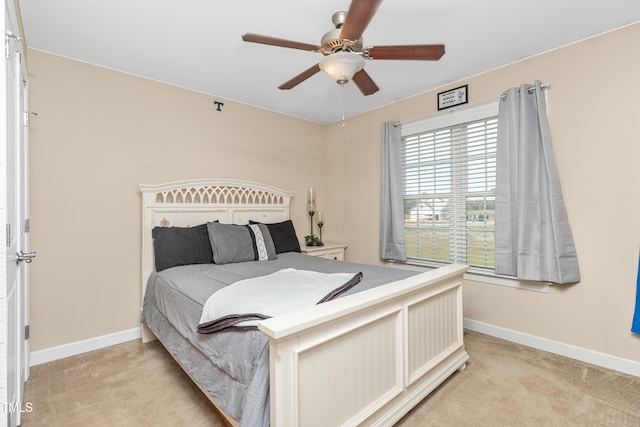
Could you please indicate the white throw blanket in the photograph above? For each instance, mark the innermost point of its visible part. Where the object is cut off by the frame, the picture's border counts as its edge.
(244, 303)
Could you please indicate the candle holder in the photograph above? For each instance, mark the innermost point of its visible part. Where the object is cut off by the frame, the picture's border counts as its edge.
(312, 239)
(320, 224)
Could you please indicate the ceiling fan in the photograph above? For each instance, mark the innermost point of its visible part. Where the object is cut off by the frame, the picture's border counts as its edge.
(344, 54)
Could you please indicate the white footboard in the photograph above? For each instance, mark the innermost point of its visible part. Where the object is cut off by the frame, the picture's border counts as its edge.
(368, 358)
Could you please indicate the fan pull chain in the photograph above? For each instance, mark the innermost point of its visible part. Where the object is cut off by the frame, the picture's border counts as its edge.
(342, 103)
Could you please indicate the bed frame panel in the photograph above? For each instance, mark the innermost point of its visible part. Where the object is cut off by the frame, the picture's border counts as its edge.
(409, 333)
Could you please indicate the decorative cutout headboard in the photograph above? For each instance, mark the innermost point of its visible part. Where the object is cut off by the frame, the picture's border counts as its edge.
(194, 202)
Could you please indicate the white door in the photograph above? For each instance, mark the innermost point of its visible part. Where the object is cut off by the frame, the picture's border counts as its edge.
(21, 199)
(14, 124)
(12, 286)
(25, 240)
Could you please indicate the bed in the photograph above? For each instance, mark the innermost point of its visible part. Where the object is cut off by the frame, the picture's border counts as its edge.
(366, 357)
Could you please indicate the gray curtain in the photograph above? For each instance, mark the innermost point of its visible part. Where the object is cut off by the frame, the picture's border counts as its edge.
(392, 216)
(533, 236)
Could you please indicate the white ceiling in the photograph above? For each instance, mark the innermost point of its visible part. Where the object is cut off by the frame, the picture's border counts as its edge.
(196, 44)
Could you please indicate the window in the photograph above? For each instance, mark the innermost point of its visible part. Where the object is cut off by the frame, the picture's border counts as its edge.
(449, 180)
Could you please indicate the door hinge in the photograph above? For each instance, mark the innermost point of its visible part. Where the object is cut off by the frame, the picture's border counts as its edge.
(26, 225)
(26, 332)
(8, 242)
(26, 118)
(7, 36)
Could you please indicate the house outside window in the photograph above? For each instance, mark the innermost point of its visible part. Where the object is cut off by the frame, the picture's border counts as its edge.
(449, 187)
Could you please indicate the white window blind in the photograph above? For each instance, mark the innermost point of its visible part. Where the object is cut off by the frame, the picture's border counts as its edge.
(449, 179)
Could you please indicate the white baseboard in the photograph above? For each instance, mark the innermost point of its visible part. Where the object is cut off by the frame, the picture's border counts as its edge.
(584, 355)
(78, 347)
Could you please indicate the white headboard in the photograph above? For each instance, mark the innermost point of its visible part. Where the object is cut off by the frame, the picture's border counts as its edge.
(194, 202)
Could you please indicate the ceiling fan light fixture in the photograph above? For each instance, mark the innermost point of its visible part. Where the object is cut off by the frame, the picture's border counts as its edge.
(341, 66)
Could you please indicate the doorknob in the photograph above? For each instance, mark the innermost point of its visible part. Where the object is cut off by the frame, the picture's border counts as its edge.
(25, 256)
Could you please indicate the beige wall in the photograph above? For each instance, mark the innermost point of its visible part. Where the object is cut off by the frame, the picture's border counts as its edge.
(99, 133)
(593, 114)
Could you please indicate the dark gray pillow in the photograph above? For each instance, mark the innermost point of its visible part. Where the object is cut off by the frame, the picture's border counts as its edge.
(239, 243)
(175, 246)
(283, 235)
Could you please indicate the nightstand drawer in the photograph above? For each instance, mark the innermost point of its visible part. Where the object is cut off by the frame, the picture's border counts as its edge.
(337, 255)
(329, 251)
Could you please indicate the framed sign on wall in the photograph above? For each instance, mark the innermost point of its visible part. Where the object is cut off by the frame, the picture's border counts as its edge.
(453, 97)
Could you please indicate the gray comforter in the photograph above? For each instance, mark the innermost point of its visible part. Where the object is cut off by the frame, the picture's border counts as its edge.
(233, 366)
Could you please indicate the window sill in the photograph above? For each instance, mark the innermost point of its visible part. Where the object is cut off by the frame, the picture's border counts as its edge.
(477, 275)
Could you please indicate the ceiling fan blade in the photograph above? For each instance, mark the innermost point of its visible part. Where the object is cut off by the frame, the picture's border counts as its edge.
(300, 78)
(425, 52)
(358, 17)
(365, 83)
(274, 41)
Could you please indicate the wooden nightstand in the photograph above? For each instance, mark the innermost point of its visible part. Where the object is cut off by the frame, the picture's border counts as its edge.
(330, 250)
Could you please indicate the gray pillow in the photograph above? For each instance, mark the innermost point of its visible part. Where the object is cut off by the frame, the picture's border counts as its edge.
(240, 243)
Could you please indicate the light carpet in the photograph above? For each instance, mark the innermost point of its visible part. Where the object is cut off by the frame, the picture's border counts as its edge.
(505, 384)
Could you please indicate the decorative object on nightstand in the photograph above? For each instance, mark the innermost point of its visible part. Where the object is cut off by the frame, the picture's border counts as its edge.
(320, 223)
(312, 239)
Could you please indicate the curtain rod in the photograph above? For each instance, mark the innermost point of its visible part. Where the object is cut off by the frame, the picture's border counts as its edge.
(543, 86)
